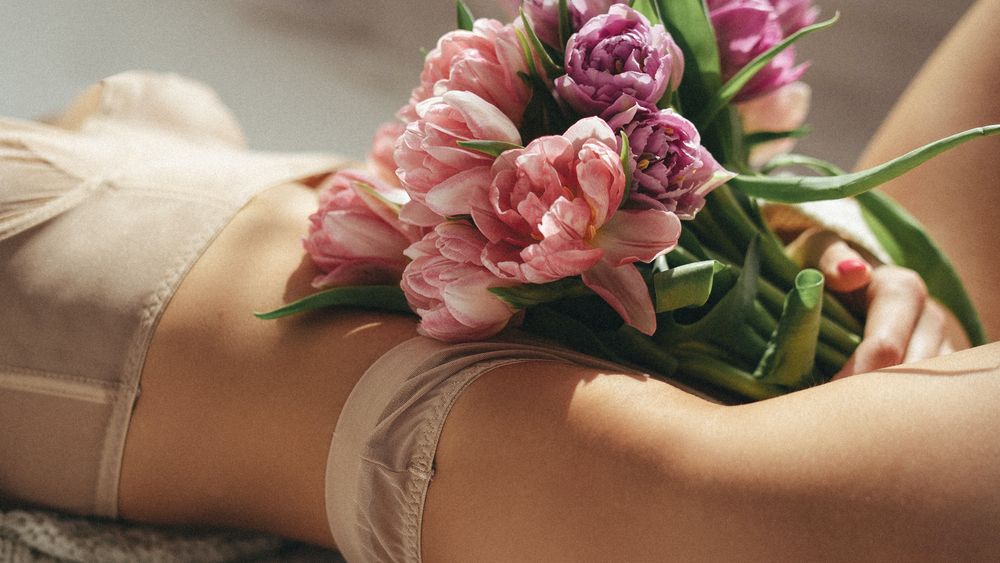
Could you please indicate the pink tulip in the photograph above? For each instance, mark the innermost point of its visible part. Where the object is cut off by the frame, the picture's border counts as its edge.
(485, 61)
(793, 15)
(448, 287)
(355, 237)
(745, 29)
(785, 109)
(551, 212)
(380, 158)
(436, 172)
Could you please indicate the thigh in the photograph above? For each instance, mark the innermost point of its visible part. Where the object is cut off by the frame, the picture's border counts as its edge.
(560, 463)
(955, 195)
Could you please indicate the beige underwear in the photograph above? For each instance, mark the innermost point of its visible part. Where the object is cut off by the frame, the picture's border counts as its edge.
(381, 458)
(102, 213)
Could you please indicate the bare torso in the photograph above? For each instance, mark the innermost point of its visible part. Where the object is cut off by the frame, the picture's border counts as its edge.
(235, 416)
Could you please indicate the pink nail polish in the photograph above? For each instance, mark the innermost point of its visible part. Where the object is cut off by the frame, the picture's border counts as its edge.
(851, 266)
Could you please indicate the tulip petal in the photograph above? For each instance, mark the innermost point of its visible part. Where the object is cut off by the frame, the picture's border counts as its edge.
(484, 120)
(416, 213)
(471, 303)
(624, 289)
(591, 129)
(638, 235)
(362, 236)
(454, 196)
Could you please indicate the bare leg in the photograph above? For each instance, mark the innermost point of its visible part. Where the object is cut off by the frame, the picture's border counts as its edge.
(554, 463)
(957, 195)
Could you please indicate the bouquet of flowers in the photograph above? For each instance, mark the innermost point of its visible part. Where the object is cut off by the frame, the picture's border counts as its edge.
(594, 172)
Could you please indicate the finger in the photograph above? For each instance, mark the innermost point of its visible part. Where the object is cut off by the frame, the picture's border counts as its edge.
(896, 299)
(928, 335)
(844, 269)
(848, 369)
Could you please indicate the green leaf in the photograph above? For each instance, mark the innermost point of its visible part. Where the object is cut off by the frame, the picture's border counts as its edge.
(744, 75)
(382, 297)
(760, 137)
(465, 18)
(791, 351)
(565, 24)
(726, 323)
(375, 194)
(646, 8)
(909, 245)
(685, 286)
(798, 189)
(529, 59)
(626, 158)
(530, 295)
(784, 160)
(688, 23)
(552, 70)
(489, 148)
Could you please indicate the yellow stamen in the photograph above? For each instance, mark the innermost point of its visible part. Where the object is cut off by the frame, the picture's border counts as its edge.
(643, 164)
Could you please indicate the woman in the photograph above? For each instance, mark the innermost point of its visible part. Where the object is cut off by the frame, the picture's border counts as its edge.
(535, 453)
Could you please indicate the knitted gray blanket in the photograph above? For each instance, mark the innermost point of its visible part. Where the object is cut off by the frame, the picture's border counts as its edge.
(38, 536)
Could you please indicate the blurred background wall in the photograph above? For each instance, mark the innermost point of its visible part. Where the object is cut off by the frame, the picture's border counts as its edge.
(322, 74)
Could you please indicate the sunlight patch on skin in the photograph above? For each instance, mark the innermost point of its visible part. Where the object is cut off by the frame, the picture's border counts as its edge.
(363, 328)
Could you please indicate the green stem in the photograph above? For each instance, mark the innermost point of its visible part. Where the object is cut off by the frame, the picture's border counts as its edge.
(719, 373)
(830, 359)
(762, 321)
(713, 235)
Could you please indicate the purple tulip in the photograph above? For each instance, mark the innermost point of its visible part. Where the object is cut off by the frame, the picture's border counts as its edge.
(671, 170)
(745, 29)
(544, 15)
(616, 59)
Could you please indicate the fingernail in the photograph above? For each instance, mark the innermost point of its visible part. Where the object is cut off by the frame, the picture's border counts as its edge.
(851, 266)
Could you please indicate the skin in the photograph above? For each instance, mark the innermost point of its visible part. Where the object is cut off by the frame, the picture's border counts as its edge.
(955, 195)
(235, 418)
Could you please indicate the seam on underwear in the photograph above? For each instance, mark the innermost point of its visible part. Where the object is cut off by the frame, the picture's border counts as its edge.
(10, 368)
(94, 395)
(175, 193)
(63, 386)
(113, 448)
(432, 426)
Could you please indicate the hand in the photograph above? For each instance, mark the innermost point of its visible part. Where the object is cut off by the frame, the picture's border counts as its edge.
(903, 323)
